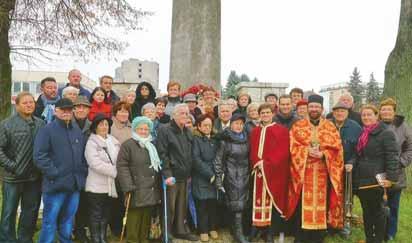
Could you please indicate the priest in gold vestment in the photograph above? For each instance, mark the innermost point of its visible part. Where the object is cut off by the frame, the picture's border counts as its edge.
(315, 195)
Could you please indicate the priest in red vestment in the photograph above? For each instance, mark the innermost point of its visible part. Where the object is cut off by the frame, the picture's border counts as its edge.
(269, 156)
(316, 187)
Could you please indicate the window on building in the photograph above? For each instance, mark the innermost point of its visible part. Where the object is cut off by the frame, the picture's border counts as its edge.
(16, 87)
(140, 70)
(26, 86)
(38, 91)
(140, 64)
(140, 76)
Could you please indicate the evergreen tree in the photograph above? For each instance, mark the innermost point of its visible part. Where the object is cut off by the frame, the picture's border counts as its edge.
(244, 78)
(373, 91)
(232, 81)
(355, 88)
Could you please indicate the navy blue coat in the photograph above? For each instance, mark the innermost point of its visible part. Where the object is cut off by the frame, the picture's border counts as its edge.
(59, 155)
(349, 134)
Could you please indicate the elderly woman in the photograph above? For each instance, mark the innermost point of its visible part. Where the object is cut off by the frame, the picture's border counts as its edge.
(232, 161)
(403, 133)
(101, 155)
(205, 195)
(377, 153)
(149, 111)
(138, 166)
(252, 120)
(121, 124)
(70, 93)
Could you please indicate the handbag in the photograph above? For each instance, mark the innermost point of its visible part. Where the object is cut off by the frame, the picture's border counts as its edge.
(155, 230)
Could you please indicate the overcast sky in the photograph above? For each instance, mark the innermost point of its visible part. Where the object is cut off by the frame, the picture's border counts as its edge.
(304, 43)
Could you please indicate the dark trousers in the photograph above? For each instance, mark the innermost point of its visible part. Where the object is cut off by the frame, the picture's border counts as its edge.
(117, 212)
(394, 198)
(99, 208)
(373, 215)
(177, 204)
(206, 215)
(304, 235)
(29, 195)
(81, 219)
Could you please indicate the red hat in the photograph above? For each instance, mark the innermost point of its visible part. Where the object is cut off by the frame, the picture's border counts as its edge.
(302, 102)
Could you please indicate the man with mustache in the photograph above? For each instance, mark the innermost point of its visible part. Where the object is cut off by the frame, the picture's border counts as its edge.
(316, 188)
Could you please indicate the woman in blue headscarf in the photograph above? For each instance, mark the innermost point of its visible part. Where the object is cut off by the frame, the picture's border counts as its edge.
(138, 167)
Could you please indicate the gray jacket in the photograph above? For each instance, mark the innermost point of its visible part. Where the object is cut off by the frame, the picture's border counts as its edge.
(16, 148)
(403, 135)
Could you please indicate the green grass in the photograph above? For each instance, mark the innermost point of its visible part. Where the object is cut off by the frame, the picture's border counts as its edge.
(404, 231)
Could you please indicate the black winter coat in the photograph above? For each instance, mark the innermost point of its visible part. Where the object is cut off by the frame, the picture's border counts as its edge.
(232, 169)
(174, 146)
(285, 121)
(204, 153)
(381, 154)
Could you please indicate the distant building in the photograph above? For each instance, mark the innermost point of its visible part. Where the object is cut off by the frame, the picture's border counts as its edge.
(133, 71)
(258, 90)
(23, 80)
(331, 94)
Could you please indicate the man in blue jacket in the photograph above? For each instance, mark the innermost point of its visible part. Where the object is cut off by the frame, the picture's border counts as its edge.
(74, 80)
(349, 131)
(59, 154)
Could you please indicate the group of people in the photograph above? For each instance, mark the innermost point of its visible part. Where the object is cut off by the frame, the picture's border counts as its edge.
(265, 169)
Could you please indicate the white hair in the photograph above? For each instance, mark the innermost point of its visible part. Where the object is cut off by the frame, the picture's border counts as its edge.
(179, 107)
(70, 89)
(223, 103)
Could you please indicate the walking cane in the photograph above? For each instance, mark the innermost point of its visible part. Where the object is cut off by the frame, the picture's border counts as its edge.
(129, 195)
(165, 233)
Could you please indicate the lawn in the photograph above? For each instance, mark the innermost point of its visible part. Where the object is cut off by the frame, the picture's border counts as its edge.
(405, 224)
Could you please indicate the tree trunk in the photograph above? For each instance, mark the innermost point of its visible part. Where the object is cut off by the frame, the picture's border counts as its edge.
(398, 71)
(5, 65)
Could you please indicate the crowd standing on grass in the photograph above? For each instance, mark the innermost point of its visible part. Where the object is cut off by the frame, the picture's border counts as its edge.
(188, 164)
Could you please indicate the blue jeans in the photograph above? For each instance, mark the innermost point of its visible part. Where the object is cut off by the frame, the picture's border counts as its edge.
(28, 194)
(58, 214)
(394, 198)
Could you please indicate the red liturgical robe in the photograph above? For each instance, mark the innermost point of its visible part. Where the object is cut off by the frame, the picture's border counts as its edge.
(269, 145)
(317, 183)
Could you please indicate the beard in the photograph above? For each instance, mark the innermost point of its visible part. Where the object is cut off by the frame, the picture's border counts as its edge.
(314, 115)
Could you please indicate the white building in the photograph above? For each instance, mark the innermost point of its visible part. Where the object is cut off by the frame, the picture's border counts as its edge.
(23, 80)
(133, 71)
(258, 90)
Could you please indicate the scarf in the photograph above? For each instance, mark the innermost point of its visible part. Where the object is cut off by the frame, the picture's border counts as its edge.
(49, 105)
(112, 152)
(146, 142)
(364, 137)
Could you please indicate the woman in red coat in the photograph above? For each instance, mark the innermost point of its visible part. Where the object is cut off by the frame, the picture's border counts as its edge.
(100, 104)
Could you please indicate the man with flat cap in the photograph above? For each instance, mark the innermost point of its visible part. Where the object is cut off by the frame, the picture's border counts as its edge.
(315, 188)
(349, 131)
(59, 155)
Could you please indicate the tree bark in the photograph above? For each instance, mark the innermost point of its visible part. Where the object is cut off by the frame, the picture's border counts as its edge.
(5, 64)
(398, 71)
